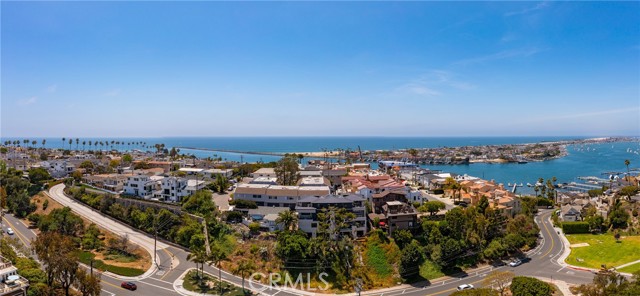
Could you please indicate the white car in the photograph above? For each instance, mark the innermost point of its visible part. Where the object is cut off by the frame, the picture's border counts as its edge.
(9, 231)
(465, 287)
(515, 263)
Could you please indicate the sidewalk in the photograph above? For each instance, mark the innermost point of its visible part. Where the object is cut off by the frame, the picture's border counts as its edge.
(562, 285)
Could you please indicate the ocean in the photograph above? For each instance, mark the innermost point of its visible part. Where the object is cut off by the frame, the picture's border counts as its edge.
(595, 161)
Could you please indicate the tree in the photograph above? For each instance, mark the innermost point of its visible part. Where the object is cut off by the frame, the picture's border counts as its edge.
(244, 268)
(56, 252)
(495, 249)
(38, 175)
(618, 217)
(528, 286)
(627, 163)
(62, 221)
(402, 237)
(200, 203)
(410, 260)
(127, 158)
(292, 246)
(67, 265)
(288, 219)
(217, 256)
(20, 204)
(286, 170)
(198, 256)
(432, 206)
(88, 284)
(606, 283)
(499, 279)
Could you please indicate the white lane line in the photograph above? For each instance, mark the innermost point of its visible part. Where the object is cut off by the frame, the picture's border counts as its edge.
(112, 294)
(172, 290)
(159, 280)
(560, 269)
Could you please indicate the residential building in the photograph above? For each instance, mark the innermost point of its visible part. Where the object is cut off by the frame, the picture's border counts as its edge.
(266, 217)
(395, 215)
(58, 168)
(570, 213)
(11, 284)
(227, 173)
(277, 195)
(174, 189)
(143, 185)
(111, 182)
(265, 180)
(313, 181)
(309, 206)
(264, 172)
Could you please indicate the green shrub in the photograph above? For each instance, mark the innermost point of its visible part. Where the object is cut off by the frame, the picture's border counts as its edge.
(86, 257)
(528, 286)
(575, 227)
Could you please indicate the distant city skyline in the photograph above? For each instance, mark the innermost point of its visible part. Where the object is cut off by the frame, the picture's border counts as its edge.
(163, 69)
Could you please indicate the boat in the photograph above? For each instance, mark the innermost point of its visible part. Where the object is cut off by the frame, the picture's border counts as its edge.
(529, 185)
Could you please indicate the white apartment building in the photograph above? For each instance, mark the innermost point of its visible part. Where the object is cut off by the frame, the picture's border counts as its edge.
(142, 185)
(174, 189)
(276, 195)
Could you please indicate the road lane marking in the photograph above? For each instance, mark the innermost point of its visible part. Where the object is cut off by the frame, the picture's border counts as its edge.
(112, 294)
(159, 280)
(20, 236)
(172, 290)
(549, 233)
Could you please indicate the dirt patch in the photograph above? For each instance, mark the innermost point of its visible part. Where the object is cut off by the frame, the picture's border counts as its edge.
(143, 262)
(580, 245)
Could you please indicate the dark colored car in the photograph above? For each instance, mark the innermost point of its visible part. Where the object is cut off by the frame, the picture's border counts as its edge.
(129, 286)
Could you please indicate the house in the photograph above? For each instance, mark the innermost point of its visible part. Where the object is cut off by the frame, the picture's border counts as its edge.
(111, 182)
(174, 189)
(308, 208)
(264, 172)
(143, 185)
(58, 168)
(570, 213)
(227, 173)
(313, 181)
(396, 215)
(11, 283)
(266, 217)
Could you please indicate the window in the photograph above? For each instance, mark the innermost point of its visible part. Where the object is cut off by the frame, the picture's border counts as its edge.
(314, 225)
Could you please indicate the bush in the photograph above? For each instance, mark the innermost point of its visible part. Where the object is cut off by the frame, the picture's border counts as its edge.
(45, 205)
(528, 286)
(575, 227)
(244, 204)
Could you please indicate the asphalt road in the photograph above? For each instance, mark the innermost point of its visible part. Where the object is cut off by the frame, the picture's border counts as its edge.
(172, 261)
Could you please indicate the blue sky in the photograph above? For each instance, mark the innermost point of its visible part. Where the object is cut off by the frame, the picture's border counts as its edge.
(133, 69)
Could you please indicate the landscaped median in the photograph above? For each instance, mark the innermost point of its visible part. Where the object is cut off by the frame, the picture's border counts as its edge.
(196, 283)
(594, 250)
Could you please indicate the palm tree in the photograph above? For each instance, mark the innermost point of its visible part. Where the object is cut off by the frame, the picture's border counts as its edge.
(244, 268)
(216, 257)
(44, 142)
(77, 142)
(33, 143)
(83, 144)
(70, 142)
(89, 144)
(627, 163)
(288, 219)
(63, 140)
(198, 256)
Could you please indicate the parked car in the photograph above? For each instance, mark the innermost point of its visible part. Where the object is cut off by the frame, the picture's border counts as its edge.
(515, 263)
(10, 231)
(129, 286)
(465, 287)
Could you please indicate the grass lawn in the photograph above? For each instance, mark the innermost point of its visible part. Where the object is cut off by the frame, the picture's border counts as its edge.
(631, 268)
(430, 270)
(209, 284)
(377, 258)
(603, 249)
(85, 257)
